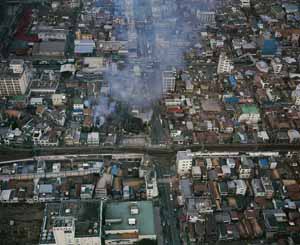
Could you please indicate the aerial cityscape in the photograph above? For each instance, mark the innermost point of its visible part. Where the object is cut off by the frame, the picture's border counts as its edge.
(149, 122)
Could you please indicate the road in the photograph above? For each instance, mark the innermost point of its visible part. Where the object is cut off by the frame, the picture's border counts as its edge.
(167, 206)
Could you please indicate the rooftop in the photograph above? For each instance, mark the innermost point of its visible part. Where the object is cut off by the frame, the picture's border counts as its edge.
(119, 214)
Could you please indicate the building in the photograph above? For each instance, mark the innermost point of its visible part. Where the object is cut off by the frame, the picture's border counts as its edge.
(44, 83)
(241, 187)
(168, 78)
(245, 3)
(206, 17)
(151, 184)
(49, 48)
(72, 222)
(294, 136)
(258, 188)
(84, 47)
(58, 99)
(296, 95)
(276, 65)
(14, 79)
(93, 138)
(249, 114)
(103, 183)
(224, 65)
(129, 222)
(184, 160)
(46, 33)
(87, 191)
(268, 187)
(245, 168)
(196, 172)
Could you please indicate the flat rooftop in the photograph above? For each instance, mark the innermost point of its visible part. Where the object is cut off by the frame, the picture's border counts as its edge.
(86, 215)
(117, 215)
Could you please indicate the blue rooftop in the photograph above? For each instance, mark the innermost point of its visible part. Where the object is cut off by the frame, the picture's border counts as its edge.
(263, 163)
(269, 47)
(232, 81)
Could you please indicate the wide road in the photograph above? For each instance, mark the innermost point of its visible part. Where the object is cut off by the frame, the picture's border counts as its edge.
(167, 207)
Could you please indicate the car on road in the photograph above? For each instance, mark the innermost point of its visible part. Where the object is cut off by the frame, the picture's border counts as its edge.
(171, 197)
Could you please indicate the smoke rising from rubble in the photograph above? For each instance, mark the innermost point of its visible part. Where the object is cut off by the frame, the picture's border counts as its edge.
(158, 34)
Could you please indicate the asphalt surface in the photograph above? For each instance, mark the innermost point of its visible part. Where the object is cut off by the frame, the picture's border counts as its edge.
(167, 206)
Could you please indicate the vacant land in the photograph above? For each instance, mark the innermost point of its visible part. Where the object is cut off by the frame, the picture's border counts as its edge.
(20, 223)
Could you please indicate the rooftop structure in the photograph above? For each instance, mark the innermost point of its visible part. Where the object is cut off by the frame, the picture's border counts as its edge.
(129, 222)
(77, 222)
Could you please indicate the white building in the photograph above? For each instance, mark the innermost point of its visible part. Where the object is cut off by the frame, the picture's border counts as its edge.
(245, 168)
(230, 162)
(249, 114)
(49, 33)
(276, 65)
(14, 79)
(93, 138)
(267, 186)
(58, 99)
(196, 172)
(206, 17)
(257, 188)
(225, 64)
(241, 187)
(151, 184)
(168, 78)
(67, 223)
(184, 160)
(296, 95)
(294, 135)
(245, 3)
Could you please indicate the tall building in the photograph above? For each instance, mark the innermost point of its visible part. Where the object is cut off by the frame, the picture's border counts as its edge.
(184, 160)
(14, 79)
(168, 78)
(224, 65)
(72, 222)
